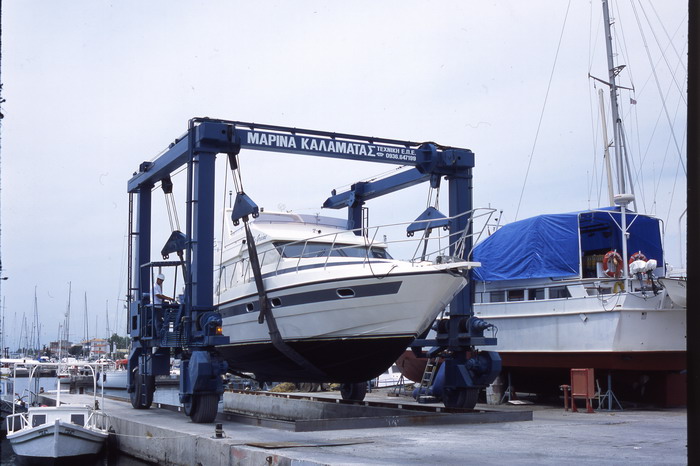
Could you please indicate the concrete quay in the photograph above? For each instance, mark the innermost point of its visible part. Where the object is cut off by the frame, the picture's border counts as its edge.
(553, 436)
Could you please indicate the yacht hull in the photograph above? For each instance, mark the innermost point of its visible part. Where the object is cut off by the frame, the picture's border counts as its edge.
(57, 440)
(633, 323)
(341, 360)
(112, 379)
(640, 340)
(351, 329)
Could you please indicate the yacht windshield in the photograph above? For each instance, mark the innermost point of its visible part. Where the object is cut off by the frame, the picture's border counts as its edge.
(306, 250)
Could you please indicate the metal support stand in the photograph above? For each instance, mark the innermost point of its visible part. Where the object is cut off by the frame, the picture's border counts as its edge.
(509, 392)
(400, 388)
(610, 397)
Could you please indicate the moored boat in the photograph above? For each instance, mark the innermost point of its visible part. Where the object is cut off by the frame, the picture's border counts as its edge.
(114, 375)
(564, 303)
(63, 431)
(588, 289)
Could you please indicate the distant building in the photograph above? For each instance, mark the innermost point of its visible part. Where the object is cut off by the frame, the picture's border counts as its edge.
(96, 348)
(60, 347)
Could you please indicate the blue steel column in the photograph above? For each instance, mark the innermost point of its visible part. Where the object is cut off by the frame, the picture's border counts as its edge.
(143, 249)
(202, 236)
(141, 280)
(460, 189)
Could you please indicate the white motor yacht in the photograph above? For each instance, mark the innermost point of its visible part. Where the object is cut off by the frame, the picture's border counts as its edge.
(339, 299)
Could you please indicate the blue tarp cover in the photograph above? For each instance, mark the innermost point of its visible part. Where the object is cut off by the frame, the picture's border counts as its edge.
(547, 246)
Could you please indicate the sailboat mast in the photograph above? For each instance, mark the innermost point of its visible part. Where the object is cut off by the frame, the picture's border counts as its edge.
(85, 320)
(612, 74)
(608, 168)
(35, 327)
(67, 325)
(619, 140)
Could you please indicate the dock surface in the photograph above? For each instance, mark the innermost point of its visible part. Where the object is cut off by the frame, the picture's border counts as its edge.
(553, 436)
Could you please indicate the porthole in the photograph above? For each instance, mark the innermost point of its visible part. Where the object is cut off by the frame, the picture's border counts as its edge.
(276, 302)
(345, 292)
(250, 307)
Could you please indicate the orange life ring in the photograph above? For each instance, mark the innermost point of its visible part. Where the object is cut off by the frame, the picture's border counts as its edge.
(637, 256)
(617, 263)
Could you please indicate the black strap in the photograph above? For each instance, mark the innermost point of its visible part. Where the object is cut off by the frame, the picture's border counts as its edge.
(266, 311)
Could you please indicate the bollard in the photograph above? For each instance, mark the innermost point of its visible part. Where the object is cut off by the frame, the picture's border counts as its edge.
(566, 397)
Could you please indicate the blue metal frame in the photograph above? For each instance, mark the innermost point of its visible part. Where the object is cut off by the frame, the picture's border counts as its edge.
(198, 149)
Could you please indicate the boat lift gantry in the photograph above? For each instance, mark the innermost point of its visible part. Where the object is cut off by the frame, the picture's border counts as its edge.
(193, 327)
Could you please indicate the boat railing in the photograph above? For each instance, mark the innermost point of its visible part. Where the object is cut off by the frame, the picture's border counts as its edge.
(93, 368)
(16, 422)
(97, 419)
(433, 243)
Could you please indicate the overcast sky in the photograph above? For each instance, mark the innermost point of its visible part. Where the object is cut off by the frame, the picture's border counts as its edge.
(93, 88)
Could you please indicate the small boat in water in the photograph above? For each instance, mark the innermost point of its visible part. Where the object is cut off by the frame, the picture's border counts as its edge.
(114, 377)
(64, 431)
(343, 307)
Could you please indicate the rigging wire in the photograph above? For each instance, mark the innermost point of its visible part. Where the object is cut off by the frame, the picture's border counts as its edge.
(658, 86)
(223, 226)
(670, 44)
(622, 47)
(544, 105)
(597, 184)
(657, 182)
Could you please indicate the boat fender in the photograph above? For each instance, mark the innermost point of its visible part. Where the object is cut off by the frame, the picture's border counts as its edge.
(616, 262)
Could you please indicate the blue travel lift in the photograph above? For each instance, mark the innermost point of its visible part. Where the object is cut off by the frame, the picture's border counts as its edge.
(192, 328)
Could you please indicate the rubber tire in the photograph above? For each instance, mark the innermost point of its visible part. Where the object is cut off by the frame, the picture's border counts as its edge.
(471, 396)
(353, 391)
(135, 396)
(460, 398)
(203, 408)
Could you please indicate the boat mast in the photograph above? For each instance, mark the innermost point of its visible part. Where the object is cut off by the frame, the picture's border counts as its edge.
(619, 141)
(623, 199)
(36, 328)
(606, 155)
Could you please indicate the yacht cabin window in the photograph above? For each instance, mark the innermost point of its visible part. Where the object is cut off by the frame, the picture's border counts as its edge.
(516, 295)
(556, 292)
(531, 294)
(306, 250)
(497, 297)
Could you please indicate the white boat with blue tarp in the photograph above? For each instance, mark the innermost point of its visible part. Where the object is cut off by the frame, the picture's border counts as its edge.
(562, 295)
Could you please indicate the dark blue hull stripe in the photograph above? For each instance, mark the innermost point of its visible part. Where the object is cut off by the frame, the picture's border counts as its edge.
(252, 304)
